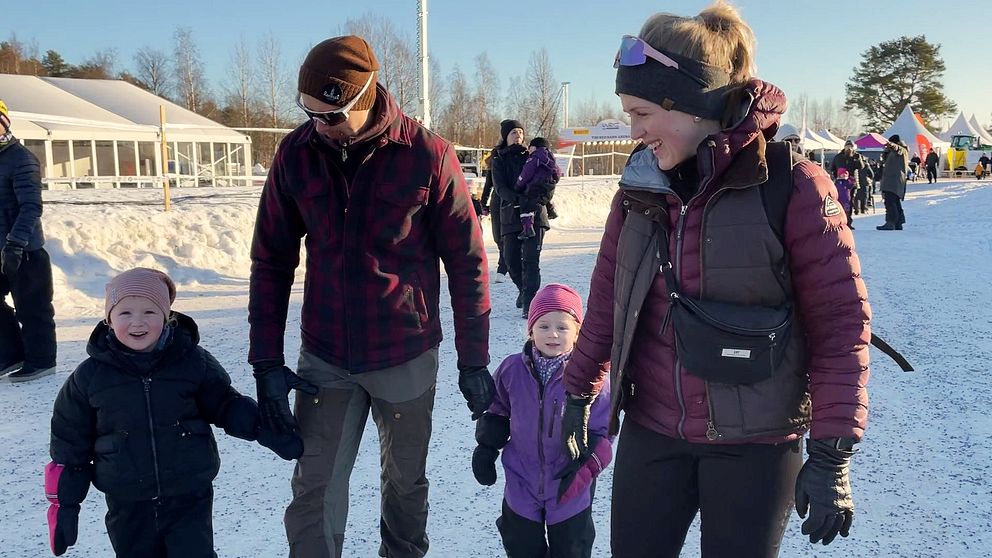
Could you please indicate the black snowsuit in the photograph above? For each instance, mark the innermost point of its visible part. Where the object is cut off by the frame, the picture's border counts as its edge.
(143, 421)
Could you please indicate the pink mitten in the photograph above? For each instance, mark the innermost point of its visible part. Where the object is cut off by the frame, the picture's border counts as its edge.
(577, 477)
(63, 516)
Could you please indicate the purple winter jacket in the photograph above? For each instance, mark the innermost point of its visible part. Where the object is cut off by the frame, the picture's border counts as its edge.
(540, 169)
(534, 455)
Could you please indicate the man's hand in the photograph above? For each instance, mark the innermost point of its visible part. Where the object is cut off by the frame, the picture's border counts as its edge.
(824, 490)
(10, 258)
(476, 385)
(278, 429)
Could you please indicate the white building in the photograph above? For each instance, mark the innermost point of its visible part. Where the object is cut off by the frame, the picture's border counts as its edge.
(99, 133)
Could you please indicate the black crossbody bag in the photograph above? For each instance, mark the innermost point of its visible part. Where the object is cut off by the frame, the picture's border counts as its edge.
(725, 342)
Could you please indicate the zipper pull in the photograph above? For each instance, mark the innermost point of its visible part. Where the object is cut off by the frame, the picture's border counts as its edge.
(711, 433)
(771, 336)
(344, 154)
(668, 314)
(631, 389)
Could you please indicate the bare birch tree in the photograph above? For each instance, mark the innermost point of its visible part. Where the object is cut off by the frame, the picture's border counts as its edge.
(240, 85)
(153, 69)
(191, 87)
(454, 120)
(591, 111)
(542, 94)
(485, 102)
(398, 71)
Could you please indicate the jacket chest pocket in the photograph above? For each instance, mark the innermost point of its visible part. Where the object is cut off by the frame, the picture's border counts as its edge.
(396, 212)
(319, 210)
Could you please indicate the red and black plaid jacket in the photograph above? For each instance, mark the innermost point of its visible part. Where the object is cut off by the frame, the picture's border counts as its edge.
(374, 249)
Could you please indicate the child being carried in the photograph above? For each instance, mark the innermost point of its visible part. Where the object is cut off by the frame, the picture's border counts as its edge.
(536, 182)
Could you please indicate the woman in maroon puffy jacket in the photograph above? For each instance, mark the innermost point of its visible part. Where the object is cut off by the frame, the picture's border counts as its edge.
(698, 438)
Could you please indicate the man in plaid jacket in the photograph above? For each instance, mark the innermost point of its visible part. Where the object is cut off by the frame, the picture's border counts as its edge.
(381, 202)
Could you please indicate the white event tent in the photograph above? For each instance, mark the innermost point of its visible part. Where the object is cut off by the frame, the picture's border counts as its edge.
(982, 132)
(920, 140)
(960, 127)
(92, 132)
(837, 142)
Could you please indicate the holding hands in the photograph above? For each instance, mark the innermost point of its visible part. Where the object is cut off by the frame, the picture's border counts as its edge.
(278, 429)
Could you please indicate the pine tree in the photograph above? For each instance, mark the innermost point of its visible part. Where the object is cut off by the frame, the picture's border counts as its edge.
(892, 74)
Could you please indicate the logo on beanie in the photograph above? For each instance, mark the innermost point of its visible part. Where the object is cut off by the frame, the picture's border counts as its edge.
(332, 93)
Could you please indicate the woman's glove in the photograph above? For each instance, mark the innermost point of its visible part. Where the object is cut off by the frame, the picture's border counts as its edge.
(575, 426)
(824, 489)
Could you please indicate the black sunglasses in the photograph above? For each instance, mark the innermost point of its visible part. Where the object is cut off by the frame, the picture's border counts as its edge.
(333, 117)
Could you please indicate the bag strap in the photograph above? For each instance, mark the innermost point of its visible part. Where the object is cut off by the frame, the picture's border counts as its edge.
(881, 345)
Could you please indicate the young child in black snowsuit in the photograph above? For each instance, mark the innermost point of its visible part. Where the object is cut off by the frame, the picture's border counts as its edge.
(536, 181)
(134, 419)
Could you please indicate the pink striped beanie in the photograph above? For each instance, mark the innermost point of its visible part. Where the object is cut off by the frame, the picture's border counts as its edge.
(141, 281)
(554, 297)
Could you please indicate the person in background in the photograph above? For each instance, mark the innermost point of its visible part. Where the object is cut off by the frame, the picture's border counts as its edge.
(712, 435)
(845, 190)
(537, 182)
(931, 163)
(134, 420)
(507, 156)
(547, 499)
(382, 203)
(522, 253)
(895, 166)
(27, 331)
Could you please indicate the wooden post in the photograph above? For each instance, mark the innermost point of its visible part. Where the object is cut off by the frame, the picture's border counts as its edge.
(165, 157)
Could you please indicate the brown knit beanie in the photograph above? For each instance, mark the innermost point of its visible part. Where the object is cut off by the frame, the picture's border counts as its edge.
(141, 281)
(337, 69)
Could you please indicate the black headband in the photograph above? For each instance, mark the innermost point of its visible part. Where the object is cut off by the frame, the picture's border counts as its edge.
(674, 90)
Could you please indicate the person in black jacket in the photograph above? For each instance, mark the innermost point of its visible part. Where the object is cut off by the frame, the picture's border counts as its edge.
(134, 420)
(511, 133)
(27, 336)
(523, 256)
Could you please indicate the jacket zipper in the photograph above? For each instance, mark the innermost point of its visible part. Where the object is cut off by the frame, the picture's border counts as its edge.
(540, 433)
(147, 381)
(554, 415)
(677, 271)
(344, 234)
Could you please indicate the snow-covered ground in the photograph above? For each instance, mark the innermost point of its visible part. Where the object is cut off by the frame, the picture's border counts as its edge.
(921, 480)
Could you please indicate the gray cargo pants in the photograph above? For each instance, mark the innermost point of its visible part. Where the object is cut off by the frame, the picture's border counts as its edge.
(401, 399)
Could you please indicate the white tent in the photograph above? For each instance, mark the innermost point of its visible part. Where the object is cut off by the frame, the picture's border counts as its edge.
(809, 139)
(960, 127)
(88, 132)
(836, 141)
(985, 135)
(915, 135)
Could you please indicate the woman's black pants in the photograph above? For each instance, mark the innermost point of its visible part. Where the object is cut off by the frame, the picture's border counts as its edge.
(744, 494)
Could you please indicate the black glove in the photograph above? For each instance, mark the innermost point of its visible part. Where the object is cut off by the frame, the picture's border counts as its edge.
(484, 464)
(65, 530)
(10, 258)
(278, 430)
(575, 426)
(476, 384)
(823, 487)
(240, 418)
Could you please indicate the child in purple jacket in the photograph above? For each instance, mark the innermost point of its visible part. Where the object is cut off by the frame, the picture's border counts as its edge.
(543, 486)
(845, 187)
(536, 181)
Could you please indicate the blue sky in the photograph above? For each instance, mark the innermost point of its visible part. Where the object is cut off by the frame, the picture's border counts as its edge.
(803, 46)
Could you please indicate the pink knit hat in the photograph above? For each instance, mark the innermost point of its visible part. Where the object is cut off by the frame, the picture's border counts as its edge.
(141, 281)
(552, 298)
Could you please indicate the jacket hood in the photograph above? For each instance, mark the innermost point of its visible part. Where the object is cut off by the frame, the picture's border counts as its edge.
(104, 347)
(544, 158)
